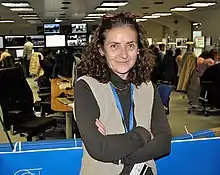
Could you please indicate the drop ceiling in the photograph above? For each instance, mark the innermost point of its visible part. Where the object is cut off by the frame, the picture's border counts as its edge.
(77, 10)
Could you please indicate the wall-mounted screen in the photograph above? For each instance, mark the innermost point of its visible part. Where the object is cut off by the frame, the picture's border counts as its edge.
(1, 42)
(200, 42)
(55, 40)
(14, 41)
(51, 28)
(76, 40)
(19, 53)
(181, 42)
(79, 28)
(38, 40)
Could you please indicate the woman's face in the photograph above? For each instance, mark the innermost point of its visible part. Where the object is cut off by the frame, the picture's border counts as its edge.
(120, 49)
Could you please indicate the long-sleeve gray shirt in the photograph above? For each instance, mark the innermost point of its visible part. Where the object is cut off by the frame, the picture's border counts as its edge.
(133, 147)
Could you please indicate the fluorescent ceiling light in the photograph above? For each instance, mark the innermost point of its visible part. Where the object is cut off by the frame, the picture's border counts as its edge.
(172, 43)
(93, 17)
(182, 9)
(27, 15)
(201, 4)
(31, 18)
(151, 17)
(161, 14)
(58, 20)
(116, 4)
(16, 4)
(7, 21)
(32, 21)
(21, 9)
(141, 20)
(88, 20)
(96, 14)
(106, 8)
(195, 24)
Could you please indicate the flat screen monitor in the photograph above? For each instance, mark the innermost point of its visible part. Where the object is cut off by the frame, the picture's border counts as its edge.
(79, 28)
(51, 28)
(19, 53)
(1, 42)
(76, 40)
(38, 40)
(55, 40)
(14, 41)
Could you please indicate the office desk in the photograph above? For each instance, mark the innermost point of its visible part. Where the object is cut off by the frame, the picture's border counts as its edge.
(60, 107)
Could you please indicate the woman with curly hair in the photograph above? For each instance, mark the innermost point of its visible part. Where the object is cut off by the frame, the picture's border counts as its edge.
(118, 111)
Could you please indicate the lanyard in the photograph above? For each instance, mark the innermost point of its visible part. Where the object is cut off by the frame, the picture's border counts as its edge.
(131, 113)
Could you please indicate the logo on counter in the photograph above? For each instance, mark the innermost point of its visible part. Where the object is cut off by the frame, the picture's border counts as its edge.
(35, 171)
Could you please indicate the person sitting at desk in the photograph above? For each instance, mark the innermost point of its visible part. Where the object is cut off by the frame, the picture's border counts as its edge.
(118, 111)
(4, 54)
(47, 63)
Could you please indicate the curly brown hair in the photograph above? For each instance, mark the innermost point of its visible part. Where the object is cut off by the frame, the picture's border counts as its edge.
(95, 65)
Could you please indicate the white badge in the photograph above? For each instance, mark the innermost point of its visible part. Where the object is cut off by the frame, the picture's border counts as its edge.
(139, 169)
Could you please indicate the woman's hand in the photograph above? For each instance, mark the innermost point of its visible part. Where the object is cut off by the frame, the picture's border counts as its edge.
(101, 127)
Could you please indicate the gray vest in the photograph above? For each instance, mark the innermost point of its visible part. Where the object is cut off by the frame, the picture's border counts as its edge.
(110, 117)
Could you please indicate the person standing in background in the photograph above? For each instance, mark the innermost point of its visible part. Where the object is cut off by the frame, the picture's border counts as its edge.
(27, 53)
(177, 63)
(162, 51)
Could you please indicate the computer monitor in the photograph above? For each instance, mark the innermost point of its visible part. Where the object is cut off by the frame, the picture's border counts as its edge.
(14, 41)
(1, 42)
(79, 28)
(55, 40)
(19, 53)
(38, 40)
(76, 40)
(51, 28)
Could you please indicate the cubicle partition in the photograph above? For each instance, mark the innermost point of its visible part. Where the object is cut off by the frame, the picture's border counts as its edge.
(188, 157)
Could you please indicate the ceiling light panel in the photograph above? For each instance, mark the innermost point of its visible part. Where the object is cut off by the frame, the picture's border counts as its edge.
(96, 14)
(114, 3)
(201, 4)
(151, 17)
(27, 15)
(106, 8)
(93, 17)
(31, 18)
(21, 9)
(182, 9)
(141, 20)
(7, 21)
(161, 14)
(15, 4)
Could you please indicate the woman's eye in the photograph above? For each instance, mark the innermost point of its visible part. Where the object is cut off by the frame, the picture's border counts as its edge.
(131, 46)
(114, 46)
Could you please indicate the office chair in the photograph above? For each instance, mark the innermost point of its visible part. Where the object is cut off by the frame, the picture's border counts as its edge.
(164, 92)
(9, 62)
(16, 101)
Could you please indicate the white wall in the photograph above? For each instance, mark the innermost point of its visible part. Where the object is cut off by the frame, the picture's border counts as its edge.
(210, 21)
(154, 30)
(165, 26)
(177, 24)
(211, 25)
(17, 29)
